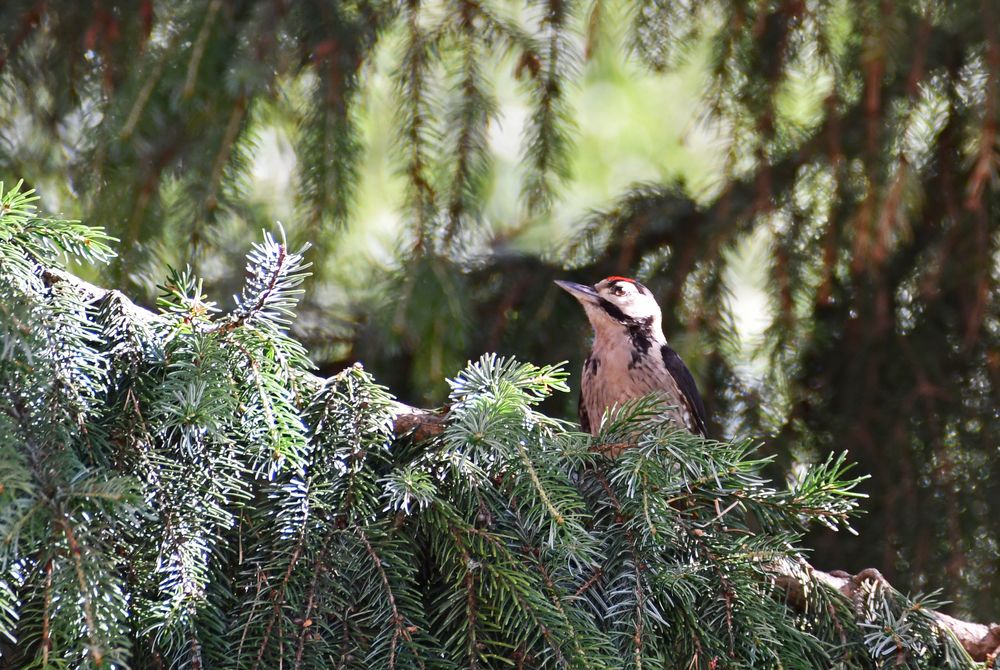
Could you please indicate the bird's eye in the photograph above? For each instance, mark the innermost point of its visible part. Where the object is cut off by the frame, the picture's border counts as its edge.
(618, 290)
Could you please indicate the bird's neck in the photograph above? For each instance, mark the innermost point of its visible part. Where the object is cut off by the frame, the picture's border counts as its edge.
(639, 334)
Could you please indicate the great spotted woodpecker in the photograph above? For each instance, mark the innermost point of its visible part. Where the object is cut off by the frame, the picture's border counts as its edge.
(630, 357)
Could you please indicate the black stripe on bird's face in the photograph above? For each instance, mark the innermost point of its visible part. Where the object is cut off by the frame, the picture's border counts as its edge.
(631, 322)
(612, 310)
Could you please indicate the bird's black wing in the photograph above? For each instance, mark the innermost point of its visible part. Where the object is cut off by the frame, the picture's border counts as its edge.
(685, 382)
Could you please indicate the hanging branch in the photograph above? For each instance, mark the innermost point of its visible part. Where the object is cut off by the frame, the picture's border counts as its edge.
(547, 137)
(470, 116)
(335, 44)
(414, 115)
(329, 146)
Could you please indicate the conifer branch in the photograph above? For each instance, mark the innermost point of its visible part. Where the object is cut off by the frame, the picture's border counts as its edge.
(396, 619)
(198, 49)
(46, 641)
(979, 640)
(88, 606)
(547, 136)
(310, 602)
(472, 112)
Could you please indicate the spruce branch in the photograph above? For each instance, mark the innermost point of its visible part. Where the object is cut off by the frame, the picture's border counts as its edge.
(274, 280)
(635, 493)
(548, 135)
(414, 115)
(469, 116)
(45, 240)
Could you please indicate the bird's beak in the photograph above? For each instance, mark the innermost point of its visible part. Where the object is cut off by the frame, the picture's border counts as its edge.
(585, 294)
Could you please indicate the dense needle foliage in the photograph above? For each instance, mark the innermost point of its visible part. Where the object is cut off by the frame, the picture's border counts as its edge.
(178, 490)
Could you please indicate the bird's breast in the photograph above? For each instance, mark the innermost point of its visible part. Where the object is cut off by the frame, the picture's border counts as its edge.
(613, 375)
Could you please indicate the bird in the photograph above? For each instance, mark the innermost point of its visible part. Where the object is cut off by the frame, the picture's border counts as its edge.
(630, 357)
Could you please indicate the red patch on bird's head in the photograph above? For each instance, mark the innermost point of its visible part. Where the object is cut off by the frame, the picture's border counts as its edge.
(617, 278)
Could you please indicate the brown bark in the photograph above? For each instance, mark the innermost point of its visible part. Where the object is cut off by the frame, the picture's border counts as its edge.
(981, 641)
(418, 424)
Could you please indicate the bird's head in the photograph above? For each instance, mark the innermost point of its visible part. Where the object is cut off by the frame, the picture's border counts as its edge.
(616, 302)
